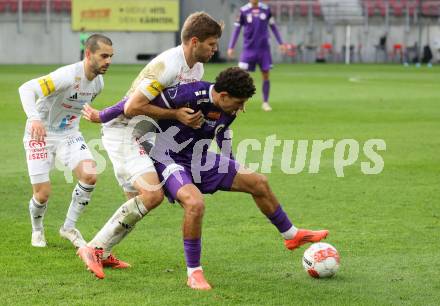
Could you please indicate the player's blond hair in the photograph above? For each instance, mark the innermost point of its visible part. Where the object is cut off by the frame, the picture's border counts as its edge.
(202, 26)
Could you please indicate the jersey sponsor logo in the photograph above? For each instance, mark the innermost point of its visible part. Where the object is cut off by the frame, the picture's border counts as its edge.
(155, 88)
(185, 80)
(67, 121)
(46, 84)
(37, 155)
(200, 92)
(37, 150)
(204, 100)
(73, 140)
(35, 144)
(66, 105)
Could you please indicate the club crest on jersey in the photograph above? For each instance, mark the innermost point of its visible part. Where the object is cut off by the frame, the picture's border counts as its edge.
(172, 91)
(67, 121)
(263, 16)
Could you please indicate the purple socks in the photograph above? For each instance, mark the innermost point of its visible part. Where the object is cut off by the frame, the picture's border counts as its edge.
(266, 88)
(280, 220)
(193, 250)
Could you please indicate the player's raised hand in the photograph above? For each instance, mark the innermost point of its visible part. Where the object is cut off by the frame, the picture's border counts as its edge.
(90, 114)
(38, 131)
(231, 54)
(187, 116)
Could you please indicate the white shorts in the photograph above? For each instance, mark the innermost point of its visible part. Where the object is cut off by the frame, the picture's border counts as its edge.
(128, 157)
(69, 148)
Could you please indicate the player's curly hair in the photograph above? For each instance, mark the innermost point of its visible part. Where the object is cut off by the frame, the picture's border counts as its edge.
(236, 82)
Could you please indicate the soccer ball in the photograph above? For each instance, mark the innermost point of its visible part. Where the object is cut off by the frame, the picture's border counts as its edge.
(321, 260)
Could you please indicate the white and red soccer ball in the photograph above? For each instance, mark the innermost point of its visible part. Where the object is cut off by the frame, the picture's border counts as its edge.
(321, 260)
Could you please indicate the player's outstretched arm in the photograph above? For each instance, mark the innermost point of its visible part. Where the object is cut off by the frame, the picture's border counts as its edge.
(138, 104)
(91, 114)
(107, 114)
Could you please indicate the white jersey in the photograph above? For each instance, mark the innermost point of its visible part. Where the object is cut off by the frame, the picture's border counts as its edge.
(61, 97)
(166, 70)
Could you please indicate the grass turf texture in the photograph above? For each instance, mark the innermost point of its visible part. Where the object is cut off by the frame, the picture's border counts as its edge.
(386, 226)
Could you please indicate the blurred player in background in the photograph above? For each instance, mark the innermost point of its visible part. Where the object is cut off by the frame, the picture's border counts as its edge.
(82, 43)
(53, 106)
(134, 169)
(256, 17)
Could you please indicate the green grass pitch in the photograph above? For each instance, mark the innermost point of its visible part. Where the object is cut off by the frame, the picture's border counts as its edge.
(385, 226)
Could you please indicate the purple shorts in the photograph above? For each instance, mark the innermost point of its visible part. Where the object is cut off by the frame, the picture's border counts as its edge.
(250, 58)
(218, 176)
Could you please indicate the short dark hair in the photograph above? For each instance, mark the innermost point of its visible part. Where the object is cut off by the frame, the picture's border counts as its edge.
(92, 42)
(202, 26)
(236, 82)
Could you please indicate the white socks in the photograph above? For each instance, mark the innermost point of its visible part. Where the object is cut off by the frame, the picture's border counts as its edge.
(37, 211)
(190, 271)
(80, 199)
(119, 225)
(290, 233)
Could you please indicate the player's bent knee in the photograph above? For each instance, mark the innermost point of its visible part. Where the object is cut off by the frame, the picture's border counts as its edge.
(151, 199)
(42, 195)
(193, 205)
(89, 179)
(261, 185)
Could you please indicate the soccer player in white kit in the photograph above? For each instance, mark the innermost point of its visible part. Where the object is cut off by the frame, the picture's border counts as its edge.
(133, 167)
(53, 105)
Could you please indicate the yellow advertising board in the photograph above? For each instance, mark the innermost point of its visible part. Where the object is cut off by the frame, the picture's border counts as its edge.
(125, 15)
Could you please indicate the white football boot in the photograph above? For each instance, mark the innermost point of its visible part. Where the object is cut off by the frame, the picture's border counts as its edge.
(38, 239)
(266, 107)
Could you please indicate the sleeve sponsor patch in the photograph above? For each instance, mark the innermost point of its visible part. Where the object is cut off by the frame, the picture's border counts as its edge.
(47, 85)
(155, 88)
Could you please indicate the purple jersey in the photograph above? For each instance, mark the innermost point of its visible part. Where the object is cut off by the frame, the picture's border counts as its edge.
(256, 23)
(196, 96)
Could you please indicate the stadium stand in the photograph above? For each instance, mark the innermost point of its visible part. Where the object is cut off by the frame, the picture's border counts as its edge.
(35, 6)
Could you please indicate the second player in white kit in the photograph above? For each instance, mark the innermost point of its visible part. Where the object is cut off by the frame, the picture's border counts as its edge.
(53, 106)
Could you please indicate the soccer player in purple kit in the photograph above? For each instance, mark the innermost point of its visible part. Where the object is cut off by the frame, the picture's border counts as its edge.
(256, 17)
(193, 170)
